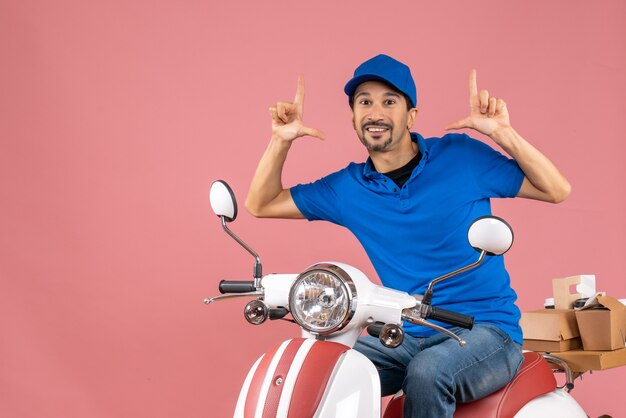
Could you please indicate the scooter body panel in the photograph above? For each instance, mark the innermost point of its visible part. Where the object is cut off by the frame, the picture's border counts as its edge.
(306, 377)
(554, 404)
(353, 390)
(241, 401)
(272, 379)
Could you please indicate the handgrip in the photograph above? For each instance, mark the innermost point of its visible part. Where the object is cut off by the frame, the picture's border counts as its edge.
(236, 286)
(452, 318)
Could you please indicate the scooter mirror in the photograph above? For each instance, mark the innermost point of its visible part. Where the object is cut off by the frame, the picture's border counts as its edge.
(223, 200)
(490, 234)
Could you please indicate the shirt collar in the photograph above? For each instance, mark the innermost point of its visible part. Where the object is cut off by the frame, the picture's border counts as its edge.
(370, 172)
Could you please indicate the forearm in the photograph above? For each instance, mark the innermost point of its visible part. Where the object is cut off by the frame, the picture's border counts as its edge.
(266, 184)
(547, 182)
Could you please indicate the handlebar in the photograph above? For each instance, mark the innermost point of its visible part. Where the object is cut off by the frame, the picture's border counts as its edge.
(450, 317)
(236, 286)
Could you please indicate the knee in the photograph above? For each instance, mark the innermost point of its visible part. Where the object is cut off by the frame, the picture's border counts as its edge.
(428, 378)
(429, 389)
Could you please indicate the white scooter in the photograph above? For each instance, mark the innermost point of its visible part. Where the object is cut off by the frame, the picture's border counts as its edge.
(320, 375)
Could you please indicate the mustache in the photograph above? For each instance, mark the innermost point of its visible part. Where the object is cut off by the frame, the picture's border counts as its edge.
(377, 124)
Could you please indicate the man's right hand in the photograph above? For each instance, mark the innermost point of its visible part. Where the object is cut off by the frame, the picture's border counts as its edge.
(267, 198)
(287, 122)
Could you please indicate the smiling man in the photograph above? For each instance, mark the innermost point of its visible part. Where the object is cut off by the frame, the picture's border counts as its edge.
(410, 205)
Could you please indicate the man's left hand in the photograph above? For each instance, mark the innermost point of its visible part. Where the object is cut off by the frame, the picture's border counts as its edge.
(488, 114)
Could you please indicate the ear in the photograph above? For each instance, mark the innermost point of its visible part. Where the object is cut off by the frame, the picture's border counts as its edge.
(412, 116)
(353, 122)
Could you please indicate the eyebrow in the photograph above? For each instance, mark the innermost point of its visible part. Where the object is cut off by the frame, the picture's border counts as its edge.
(388, 93)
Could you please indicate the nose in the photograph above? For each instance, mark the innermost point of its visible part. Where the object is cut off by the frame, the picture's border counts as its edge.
(376, 113)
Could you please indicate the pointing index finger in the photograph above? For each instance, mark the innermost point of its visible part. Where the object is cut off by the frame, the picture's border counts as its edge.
(473, 87)
(299, 99)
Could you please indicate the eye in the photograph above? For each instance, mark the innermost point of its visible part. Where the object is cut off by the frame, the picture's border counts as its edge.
(390, 102)
(364, 102)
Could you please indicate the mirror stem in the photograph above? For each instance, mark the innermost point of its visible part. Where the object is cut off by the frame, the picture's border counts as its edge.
(258, 268)
(428, 295)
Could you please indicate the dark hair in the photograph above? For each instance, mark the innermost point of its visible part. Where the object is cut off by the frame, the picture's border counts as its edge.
(409, 104)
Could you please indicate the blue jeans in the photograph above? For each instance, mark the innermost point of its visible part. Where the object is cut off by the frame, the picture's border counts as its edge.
(435, 372)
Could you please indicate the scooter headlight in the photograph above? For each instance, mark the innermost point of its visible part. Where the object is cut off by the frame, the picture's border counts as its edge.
(322, 299)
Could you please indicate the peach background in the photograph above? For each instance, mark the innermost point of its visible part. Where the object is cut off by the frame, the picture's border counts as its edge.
(115, 116)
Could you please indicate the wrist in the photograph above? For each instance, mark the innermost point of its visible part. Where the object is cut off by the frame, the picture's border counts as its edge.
(503, 134)
(279, 145)
(278, 140)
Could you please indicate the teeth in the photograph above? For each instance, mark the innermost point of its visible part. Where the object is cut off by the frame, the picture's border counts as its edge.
(376, 129)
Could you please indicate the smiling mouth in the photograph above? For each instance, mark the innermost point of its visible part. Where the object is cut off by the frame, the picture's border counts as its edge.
(376, 129)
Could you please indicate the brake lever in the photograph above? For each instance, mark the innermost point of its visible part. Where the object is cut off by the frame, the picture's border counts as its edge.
(421, 321)
(233, 295)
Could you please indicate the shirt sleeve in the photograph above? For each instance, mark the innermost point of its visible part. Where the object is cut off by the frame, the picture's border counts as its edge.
(495, 175)
(319, 200)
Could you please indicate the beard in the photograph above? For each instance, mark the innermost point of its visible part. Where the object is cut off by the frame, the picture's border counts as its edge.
(377, 145)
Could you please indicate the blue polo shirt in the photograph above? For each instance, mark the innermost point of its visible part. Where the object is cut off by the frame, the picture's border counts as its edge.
(418, 232)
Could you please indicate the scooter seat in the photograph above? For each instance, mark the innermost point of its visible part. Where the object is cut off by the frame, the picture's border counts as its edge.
(534, 379)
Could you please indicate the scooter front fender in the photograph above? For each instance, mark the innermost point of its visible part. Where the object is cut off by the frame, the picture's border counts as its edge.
(306, 377)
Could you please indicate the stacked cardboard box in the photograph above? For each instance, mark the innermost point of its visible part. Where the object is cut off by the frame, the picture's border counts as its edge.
(550, 330)
(592, 338)
(602, 323)
(582, 361)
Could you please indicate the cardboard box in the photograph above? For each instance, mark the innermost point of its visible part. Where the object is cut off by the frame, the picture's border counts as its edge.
(602, 329)
(585, 288)
(552, 346)
(550, 330)
(582, 361)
